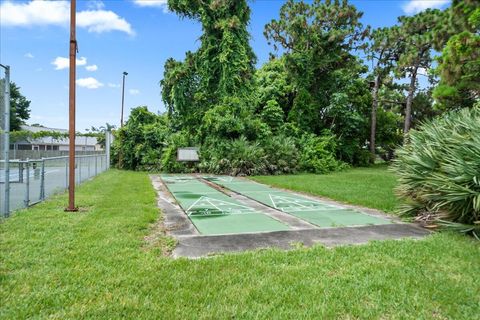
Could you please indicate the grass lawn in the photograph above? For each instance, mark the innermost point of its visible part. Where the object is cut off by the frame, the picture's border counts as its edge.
(370, 187)
(97, 265)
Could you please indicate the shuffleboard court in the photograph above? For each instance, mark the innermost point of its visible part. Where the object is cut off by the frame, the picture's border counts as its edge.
(316, 212)
(214, 213)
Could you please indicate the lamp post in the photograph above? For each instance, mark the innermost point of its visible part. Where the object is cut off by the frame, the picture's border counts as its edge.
(6, 204)
(123, 97)
(71, 134)
(120, 153)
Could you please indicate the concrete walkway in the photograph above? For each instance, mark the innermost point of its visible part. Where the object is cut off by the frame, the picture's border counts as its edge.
(200, 246)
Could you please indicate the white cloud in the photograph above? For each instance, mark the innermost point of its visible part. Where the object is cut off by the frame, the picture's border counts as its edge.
(63, 63)
(39, 12)
(113, 85)
(415, 6)
(103, 21)
(95, 4)
(34, 13)
(93, 67)
(152, 4)
(89, 83)
(29, 55)
(134, 92)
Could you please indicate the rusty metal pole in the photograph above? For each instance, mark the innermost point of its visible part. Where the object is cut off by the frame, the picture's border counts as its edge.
(71, 127)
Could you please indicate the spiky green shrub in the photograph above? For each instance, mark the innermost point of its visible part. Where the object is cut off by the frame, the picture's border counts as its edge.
(439, 171)
(281, 154)
(233, 157)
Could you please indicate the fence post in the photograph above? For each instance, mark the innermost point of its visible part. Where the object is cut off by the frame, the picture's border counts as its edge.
(6, 134)
(108, 141)
(20, 172)
(78, 162)
(96, 165)
(42, 181)
(27, 190)
(88, 169)
(66, 173)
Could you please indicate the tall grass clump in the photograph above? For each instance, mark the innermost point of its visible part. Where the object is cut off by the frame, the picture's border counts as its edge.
(439, 171)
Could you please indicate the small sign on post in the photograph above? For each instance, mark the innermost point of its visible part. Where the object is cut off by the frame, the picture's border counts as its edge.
(187, 154)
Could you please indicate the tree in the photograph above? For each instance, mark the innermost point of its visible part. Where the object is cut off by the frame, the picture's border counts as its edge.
(141, 140)
(459, 64)
(19, 106)
(317, 40)
(100, 132)
(384, 50)
(222, 67)
(422, 108)
(417, 34)
(273, 83)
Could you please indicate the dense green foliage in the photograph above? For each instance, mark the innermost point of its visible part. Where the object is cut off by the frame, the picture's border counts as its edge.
(316, 99)
(459, 64)
(221, 68)
(439, 170)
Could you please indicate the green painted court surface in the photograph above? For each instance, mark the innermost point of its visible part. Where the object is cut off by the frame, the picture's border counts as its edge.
(316, 212)
(213, 212)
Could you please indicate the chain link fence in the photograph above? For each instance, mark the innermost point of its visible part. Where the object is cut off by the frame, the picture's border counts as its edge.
(26, 181)
(32, 181)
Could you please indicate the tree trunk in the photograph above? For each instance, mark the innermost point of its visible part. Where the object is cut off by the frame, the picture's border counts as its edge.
(408, 107)
(373, 128)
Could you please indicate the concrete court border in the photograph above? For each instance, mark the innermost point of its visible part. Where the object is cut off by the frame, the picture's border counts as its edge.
(192, 244)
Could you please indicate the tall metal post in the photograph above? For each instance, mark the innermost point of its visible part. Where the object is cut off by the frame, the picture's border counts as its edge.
(123, 97)
(120, 153)
(6, 205)
(73, 57)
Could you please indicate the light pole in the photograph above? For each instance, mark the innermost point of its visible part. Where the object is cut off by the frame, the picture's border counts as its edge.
(120, 153)
(123, 97)
(71, 134)
(6, 204)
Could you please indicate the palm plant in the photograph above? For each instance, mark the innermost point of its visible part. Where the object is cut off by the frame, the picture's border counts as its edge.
(439, 171)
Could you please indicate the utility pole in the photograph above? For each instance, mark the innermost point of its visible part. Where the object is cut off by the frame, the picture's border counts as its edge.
(71, 128)
(120, 153)
(6, 205)
(123, 97)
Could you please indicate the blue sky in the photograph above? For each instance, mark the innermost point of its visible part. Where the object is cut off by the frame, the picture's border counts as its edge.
(113, 36)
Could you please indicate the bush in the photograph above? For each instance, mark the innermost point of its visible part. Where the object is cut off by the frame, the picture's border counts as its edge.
(318, 154)
(141, 140)
(281, 155)
(273, 155)
(169, 156)
(439, 170)
(233, 157)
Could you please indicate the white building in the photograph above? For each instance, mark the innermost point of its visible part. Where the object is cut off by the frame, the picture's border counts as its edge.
(51, 143)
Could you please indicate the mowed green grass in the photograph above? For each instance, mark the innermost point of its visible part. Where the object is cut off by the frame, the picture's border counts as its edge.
(370, 187)
(97, 265)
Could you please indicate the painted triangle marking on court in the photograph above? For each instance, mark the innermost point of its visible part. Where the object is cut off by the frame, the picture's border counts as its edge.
(284, 202)
(210, 206)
